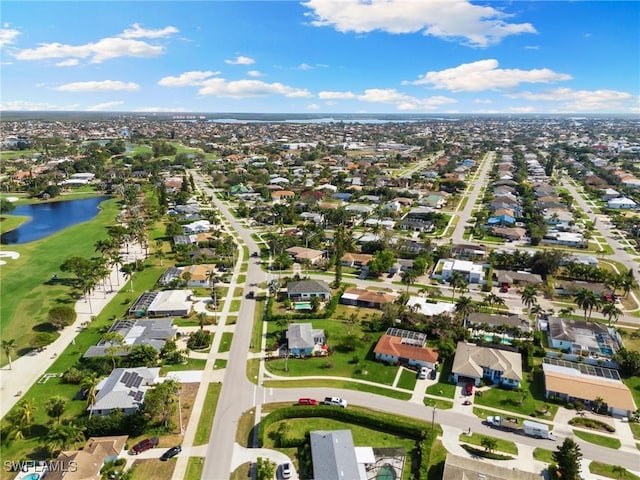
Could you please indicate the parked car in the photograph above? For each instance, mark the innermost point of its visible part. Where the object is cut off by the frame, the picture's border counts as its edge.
(144, 445)
(172, 452)
(307, 401)
(335, 401)
(468, 389)
(285, 470)
(424, 371)
(251, 295)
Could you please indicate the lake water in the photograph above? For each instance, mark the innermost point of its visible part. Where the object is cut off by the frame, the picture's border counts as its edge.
(49, 218)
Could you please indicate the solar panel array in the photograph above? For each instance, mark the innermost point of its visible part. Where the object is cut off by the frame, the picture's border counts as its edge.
(412, 338)
(585, 368)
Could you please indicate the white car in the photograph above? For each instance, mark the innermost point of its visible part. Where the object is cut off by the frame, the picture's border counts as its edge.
(335, 401)
(285, 469)
(424, 371)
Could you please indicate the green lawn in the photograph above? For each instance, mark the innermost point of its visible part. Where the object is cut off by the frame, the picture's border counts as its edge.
(505, 446)
(407, 379)
(206, 416)
(443, 388)
(439, 404)
(190, 364)
(635, 429)
(26, 292)
(601, 440)
(256, 334)
(530, 404)
(219, 363)
(194, 468)
(225, 342)
(436, 461)
(543, 455)
(361, 387)
(611, 471)
(235, 305)
(11, 222)
(633, 384)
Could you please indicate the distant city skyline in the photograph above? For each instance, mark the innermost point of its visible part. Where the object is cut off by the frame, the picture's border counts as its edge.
(319, 56)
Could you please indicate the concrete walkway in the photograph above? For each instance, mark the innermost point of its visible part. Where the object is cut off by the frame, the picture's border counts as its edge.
(28, 369)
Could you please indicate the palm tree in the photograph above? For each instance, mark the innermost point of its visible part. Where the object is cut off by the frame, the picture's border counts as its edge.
(202, 319)
(8, 347)
(489, 444)
(457, 282)
(128, 270)
(409, 277)
(618, 471)
(89, 383)
(465, 306)
(26, 411)
(629, 283)
(116, 345)
(529, 297)
(612, 312)
(499, 302)
(587, 300)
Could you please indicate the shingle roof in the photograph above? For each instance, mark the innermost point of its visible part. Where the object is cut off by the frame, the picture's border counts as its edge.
(391, 345)
(470, 360)
(307, 286)
(333, 455)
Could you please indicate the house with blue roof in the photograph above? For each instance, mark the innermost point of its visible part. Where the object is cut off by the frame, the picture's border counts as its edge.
(501, 220)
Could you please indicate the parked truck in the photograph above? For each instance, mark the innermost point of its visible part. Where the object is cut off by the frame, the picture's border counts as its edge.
(530, 428)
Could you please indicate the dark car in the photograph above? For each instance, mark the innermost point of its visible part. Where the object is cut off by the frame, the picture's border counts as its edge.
(144, 445)
(468, 388)
(172, 452)
(251, 295)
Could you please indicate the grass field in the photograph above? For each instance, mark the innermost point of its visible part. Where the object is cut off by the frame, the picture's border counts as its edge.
(225, 342)
(206, 416)
(611, 471)
(633, 384)
(153, 468)
(596, 439)
(194, 468)
(26, 290)
(407, 379)
(543, 455)
(11, 222)
(505, 446)
(361, 387)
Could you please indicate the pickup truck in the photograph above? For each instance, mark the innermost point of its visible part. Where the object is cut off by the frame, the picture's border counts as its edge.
(502, 422)
(529, 428)
(144, 445)
(335, 401)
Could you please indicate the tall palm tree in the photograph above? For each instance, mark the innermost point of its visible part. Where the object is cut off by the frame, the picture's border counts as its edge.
(587, 300)
(457, 282)
(529, 297)
(629, 282)
(612, 312)
(465, 306)
(499, 302)
(26, 411)
(128, 270)
(90, 383)
(409, 277)
(8, 347)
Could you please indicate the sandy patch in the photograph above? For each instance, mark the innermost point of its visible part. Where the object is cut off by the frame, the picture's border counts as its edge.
(12, 199)
(11, 255)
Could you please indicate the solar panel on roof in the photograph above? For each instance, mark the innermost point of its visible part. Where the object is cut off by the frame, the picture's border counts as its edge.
(131, 380)
(139, 396)
(137, 382)
(585, 368)
(125, 377)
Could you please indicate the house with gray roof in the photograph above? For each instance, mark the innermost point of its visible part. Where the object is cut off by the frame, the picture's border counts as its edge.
(154, 333)
(124, 389)
(473, 363)
(334, 457)
(303, 340)
(462, 468)
(307, 289)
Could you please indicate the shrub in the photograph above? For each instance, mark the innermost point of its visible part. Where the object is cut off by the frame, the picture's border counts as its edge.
(199, 339)
(61, 316)
(73, 376)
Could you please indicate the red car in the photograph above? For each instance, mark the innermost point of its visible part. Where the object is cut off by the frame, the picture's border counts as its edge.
(307, 401)
(143, 445)
(468, 389)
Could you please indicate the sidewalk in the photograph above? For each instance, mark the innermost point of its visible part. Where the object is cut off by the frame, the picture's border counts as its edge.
(28, 369)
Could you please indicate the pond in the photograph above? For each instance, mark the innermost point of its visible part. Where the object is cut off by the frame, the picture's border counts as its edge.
(51, 217)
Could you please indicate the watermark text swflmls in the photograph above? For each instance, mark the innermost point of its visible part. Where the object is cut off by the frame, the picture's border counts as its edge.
(40, 467)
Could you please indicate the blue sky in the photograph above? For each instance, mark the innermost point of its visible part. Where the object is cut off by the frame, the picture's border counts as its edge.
(319, 56)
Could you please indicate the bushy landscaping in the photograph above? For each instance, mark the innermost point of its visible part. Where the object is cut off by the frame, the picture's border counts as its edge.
(592, 423)
(505, 446)
(611, 471)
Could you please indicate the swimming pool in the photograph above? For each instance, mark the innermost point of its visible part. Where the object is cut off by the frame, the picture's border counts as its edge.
(31, 476)
(386, 472)
(302, 306)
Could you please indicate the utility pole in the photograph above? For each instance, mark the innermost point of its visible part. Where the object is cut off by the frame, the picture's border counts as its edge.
(433, 417)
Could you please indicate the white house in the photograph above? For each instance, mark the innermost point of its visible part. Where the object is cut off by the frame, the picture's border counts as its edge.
(622, 203)
(201, 226)
(124, 389)
(471, 272)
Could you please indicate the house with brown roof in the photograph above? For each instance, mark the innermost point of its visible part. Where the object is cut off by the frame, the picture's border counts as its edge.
(572, 381)
(86, 464)
(198, 274)
(474, 363)
(302, 254)
(356, 259)
(405, 347)
(361, 297)
(510, 233)
(282, 196)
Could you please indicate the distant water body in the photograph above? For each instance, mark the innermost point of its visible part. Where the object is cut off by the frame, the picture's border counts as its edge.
(319, 120)
(51, 217)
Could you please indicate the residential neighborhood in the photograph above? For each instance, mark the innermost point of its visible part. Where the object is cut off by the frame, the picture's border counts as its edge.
(434, 284)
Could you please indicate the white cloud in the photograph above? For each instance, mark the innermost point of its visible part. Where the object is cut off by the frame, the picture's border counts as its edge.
(249, 89)
(336, 95)
(255, 73)
(532, 47)
(122, 45)
(241, 60)
(103, 106)
(474, 25)
(485, 75)
(138, 32)
(22, 105)
(569, 100)
(159, 109)
(99, 86)
(313, 106)
(72, 62)
(523, 109)
(480, 101)
(401, 100)
(8, 35)
(187, 79)
(304, 66)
